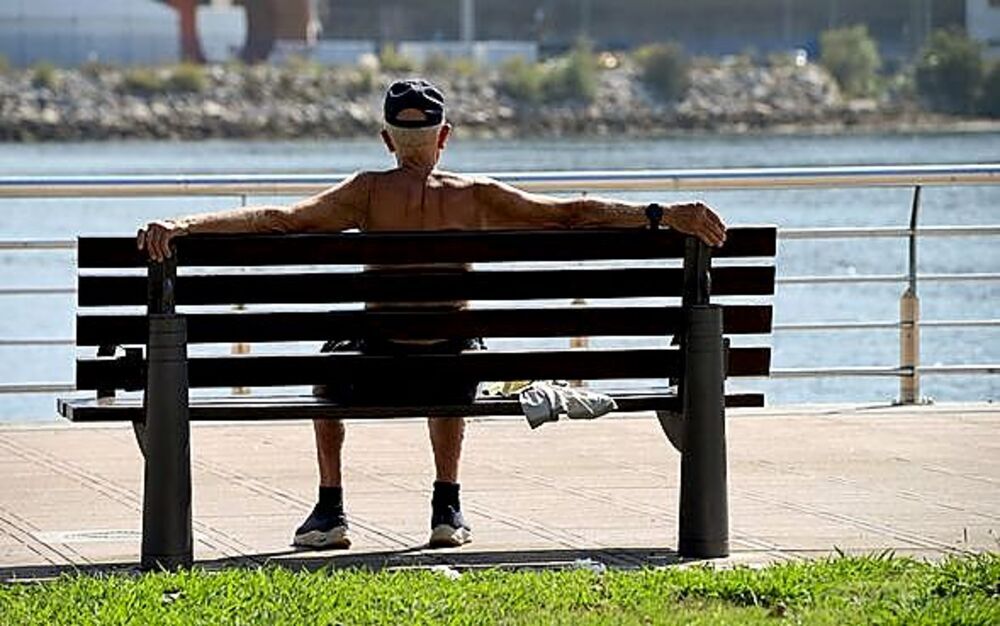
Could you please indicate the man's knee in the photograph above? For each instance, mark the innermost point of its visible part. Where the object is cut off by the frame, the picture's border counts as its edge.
(446, 422)
(446, 430)
(329, 428)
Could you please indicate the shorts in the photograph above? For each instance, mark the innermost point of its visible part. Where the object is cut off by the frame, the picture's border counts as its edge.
(400, 392)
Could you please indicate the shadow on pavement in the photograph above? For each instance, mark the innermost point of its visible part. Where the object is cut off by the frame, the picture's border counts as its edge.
(417, 557)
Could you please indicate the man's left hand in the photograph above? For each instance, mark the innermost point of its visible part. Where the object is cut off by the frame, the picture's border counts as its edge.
(698, 219)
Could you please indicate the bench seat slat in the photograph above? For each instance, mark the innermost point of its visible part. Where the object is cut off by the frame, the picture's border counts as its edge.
(95, 330)
(308, 407)
(424, 247)
(318, 288)
(264, 371)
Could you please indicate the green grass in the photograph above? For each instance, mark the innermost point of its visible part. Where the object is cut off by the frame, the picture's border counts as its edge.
(869, 590)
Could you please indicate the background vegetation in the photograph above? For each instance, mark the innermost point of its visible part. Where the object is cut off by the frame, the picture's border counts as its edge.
(665, 69)
(851, 55)
(950, 72)
(569, 78)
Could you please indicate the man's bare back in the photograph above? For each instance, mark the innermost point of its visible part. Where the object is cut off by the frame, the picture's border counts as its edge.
(407, 198)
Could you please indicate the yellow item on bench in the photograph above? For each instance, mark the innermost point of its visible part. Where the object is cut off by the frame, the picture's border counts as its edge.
(505, 389)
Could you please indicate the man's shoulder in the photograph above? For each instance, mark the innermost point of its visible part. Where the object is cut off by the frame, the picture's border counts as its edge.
(475, 183)
(454, 179)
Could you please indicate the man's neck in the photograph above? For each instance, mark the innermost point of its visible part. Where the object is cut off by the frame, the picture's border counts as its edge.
(416, 167)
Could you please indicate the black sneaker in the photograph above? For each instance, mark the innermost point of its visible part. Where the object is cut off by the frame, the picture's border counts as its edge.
(448, 528)
(323, 529)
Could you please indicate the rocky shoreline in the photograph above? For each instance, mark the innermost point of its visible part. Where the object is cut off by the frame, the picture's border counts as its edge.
(234, 102)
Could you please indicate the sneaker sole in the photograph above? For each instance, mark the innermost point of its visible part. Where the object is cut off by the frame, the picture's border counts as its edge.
(445, 536)
(334, 538)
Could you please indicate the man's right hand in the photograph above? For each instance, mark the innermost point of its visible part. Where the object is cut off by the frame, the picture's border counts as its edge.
(698, 219)
(155, 238)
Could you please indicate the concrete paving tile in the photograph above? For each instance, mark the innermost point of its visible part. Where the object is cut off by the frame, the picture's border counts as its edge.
(922, 481)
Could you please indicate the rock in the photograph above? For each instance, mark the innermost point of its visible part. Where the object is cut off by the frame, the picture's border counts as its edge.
(266, 101)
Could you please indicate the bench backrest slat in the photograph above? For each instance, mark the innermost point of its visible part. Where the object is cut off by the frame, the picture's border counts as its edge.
(266, 371)
(337, 287)
(95, 330)
(425, 247)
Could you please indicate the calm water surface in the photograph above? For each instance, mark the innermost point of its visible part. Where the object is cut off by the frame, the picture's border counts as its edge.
(52, 316)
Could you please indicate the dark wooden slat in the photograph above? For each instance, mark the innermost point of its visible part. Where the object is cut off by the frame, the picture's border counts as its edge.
(95, 330)
(424, 247)
(315, 288)
(746, 319)
(307, 407)
(268, 371)
(749, 362)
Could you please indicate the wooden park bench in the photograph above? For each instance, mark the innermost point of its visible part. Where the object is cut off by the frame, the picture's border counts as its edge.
(147, 352)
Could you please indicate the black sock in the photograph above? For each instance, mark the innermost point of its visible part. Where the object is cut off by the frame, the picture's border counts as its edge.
(331, 499)
(445, 494)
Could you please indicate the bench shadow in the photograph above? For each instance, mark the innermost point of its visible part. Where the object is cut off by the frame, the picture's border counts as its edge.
(416, 557)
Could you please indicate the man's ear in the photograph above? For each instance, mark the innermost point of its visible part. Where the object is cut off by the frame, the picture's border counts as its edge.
(443, 136)
(387, 140)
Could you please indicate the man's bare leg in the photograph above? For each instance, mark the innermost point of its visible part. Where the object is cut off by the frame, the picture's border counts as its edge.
(448, 527)
(329, 447)
(326, 526)
(447, 434)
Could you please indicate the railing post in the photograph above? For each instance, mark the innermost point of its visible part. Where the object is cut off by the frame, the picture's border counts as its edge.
(578, 343)
(909, 318)
(166, 506)
(241, 347)
(704, 502)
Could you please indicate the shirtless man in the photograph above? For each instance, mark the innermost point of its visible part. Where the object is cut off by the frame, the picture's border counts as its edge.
(416, 196)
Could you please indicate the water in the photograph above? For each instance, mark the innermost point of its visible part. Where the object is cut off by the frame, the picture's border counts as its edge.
(52, 316)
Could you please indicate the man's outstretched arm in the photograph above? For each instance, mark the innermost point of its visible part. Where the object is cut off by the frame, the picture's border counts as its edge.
(505, 206)
(341, 207)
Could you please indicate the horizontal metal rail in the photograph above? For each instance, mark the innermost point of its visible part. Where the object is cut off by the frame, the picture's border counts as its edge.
(877, 232)
(12, 388)
(791, 234)
(36, 291)
(781, 280)
(866, 371)
(810, 326)
(17, 343)
(796, 327)
(38, 244)
(851, 371)
(882, 278)
(635, 180)
(778, 373)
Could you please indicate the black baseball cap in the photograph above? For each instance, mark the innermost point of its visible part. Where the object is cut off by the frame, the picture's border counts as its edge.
(414, 93)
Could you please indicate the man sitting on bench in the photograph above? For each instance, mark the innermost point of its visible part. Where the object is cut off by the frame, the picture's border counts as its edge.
(415, 196)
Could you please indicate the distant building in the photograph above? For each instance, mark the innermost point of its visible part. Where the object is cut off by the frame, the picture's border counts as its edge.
(111, 31)
(983, 18)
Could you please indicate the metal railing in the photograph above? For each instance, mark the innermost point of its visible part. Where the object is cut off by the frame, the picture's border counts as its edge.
(631, 180)
(916, 177)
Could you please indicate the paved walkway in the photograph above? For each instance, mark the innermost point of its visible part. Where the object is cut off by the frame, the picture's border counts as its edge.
(803, 482)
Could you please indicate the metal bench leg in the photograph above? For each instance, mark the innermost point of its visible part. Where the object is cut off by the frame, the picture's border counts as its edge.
(704, 514)
(166, 505)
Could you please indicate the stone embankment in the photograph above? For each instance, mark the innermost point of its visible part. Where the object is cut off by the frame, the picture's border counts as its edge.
(273, 102)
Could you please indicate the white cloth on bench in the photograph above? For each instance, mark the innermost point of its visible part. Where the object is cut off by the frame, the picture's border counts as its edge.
(543, 402)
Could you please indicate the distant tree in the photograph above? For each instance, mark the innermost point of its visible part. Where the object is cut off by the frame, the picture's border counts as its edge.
(989, 100)
(665, 69)
(950, 71)
(852, 57)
